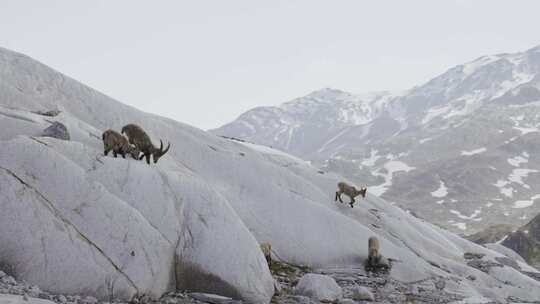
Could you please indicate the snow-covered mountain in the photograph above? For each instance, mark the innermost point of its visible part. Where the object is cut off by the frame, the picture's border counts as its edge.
(76, 222)
(461, 149)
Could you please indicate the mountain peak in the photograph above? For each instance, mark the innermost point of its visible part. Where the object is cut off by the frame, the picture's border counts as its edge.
(327, 93)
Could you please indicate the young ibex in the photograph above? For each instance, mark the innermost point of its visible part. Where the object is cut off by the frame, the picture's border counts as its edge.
(350, 191)
(373, 251)
(141, 140)
(116, 142)
(375, 261)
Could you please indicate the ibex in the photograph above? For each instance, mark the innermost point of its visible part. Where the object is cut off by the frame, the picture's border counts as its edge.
(373, 252)
(116, 142)
(141, 140)
(350, 191)
(375, 261)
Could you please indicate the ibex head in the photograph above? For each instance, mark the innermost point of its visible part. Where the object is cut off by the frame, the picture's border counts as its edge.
(134, 151)
(362, 192)
(157, 153)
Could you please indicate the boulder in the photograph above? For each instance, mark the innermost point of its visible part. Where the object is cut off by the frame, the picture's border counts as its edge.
(319, 287)
(361, 293)
(212, 234)
(57, 130)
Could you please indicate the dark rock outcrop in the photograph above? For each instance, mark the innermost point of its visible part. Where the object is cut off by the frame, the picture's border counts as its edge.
(57, 130)
(526, 241)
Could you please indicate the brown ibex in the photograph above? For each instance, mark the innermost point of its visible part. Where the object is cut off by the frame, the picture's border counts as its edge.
(373, 251)
(350, 191)
(141, 140)
(375, 261)
(116, 142)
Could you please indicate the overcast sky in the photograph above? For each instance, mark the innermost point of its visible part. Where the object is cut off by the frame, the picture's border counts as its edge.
(206, 62)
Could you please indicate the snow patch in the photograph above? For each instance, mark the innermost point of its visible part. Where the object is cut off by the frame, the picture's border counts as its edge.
(391, 167)
(522, 204)
(517, 161)
(464, 217)
(526, 130)
(525, 203)
(507, 191)
(441, 192)
(423, 140)
(518, 175)
(434, 112)
(523, 128)
(473, 152)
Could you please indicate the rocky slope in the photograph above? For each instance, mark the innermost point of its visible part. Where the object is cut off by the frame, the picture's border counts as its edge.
(461, 149)
(492, 234)
(76, 222)
(526, 241)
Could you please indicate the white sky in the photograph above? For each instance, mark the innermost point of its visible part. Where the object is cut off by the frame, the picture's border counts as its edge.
(205, 62)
